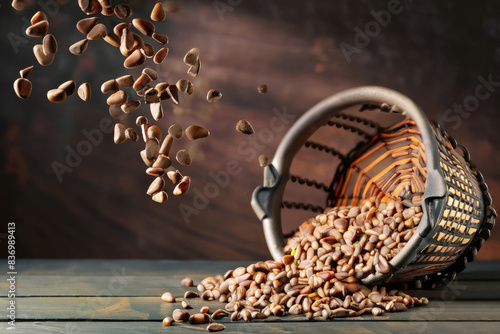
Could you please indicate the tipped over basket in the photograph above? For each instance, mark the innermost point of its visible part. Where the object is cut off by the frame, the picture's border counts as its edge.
(385, 149)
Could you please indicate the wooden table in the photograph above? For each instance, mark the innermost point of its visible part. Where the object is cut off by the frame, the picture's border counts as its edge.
(123, 296)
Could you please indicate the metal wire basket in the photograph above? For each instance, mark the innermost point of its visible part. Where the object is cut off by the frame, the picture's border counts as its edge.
(385, 148)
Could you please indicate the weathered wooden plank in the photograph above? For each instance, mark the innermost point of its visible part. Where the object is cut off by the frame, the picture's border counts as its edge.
(171, 268)
(481, 270)
(339, 326)
(111, 271)
(78, 286)
(152, 308)
(153, 286)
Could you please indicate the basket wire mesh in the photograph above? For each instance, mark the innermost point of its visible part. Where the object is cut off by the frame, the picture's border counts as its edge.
(381, 147)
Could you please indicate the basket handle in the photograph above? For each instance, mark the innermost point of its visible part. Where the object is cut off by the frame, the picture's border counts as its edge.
(266, 199)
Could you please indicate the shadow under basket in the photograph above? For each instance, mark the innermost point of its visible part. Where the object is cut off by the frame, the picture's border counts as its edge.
(374, 143)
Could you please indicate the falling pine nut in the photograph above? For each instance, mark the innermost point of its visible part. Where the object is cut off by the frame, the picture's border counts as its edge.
(183, 186)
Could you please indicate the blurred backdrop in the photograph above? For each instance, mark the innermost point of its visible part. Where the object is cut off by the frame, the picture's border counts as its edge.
(437, 53)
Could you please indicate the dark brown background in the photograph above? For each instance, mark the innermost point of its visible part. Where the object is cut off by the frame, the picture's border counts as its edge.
(432, 51)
